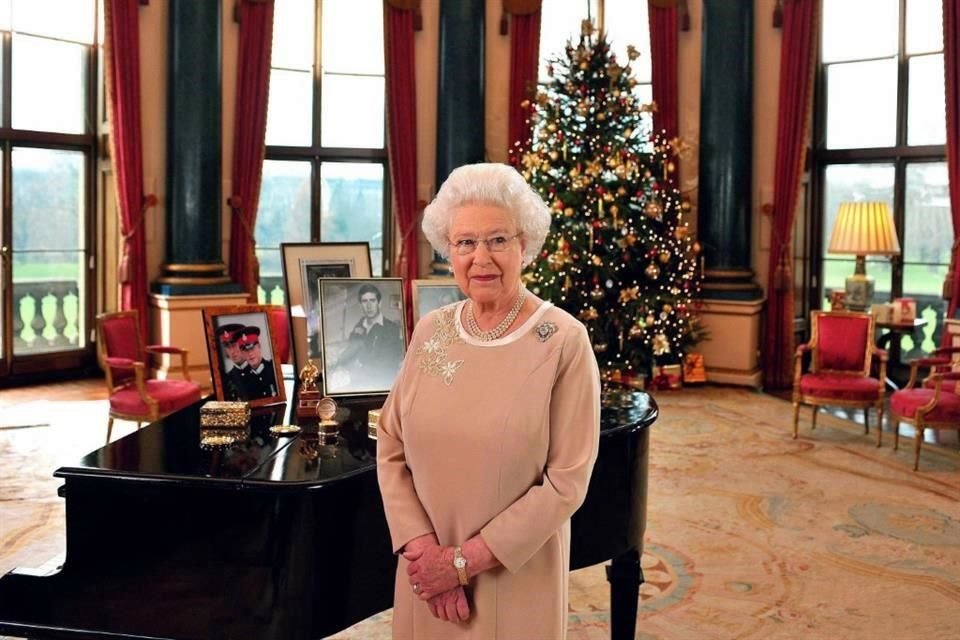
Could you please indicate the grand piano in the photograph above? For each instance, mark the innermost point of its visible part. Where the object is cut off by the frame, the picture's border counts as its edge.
(274, 537)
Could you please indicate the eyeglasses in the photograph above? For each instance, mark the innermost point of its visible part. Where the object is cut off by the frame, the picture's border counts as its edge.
(495, 244)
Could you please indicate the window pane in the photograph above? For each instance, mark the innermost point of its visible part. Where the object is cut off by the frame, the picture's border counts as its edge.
(64, 19)
(283, 214)
(351, 206)
(559, 22)
(352, 112)
(290, 108)
(347, 49)
(627, 22)
(862, 104)
(926, 103)
(49, 85)
(928, 226)
(293, 29)
(859, 29)
(851, 183)
(924, 26)
(48, 249)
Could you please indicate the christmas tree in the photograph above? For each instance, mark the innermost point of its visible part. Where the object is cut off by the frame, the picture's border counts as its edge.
(619, 255)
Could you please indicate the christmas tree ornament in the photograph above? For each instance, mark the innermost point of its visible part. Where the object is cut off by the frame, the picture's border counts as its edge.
(599, 347)
(652, 271)
(653, 209)
(664, 257)
(636, 331)
(596, 294)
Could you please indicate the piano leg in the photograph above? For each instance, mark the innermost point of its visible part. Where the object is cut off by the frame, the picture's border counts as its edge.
(625, 576)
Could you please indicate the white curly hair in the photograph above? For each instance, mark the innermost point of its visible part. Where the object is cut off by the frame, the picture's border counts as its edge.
(491, 184)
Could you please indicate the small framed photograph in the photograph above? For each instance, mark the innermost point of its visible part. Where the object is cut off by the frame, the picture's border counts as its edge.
(433, 294)
(362, 334)
(304, 264)
(242, 355)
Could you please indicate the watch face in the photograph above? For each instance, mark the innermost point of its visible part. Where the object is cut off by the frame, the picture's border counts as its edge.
(460, 563)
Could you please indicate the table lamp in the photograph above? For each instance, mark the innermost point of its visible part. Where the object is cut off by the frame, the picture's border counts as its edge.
(863, 228)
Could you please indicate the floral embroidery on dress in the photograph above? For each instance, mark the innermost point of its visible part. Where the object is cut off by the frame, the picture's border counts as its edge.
(433, 353)
(544, 330)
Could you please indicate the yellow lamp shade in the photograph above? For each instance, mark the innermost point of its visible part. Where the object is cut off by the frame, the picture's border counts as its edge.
(864, 228)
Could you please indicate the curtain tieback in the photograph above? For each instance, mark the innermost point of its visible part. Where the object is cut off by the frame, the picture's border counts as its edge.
(124, 270)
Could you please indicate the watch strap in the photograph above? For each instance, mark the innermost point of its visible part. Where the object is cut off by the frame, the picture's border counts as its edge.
(460, 564)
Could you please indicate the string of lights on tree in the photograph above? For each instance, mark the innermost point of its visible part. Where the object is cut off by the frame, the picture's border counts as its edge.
(619, 254)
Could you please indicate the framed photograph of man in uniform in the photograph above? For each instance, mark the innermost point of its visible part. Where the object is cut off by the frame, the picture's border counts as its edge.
(362, 333)
(433, 294)
(304, 264)
(241, 349)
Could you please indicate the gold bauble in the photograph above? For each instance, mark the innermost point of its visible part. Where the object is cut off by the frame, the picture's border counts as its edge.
(568, 212)
(697, 248)
(614, 209)
(554, 155)
(650, 319)
(653, 209)
(601, 116)
(664, 257)
(652, 271)
(680, 233)
(671, 167)
(667, 308)
(551, 127)
(621, 191)
(584, 66)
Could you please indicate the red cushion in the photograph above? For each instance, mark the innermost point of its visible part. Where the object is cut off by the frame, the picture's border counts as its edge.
(120, 340)
(842, 342)
(840, 387)
(170, 394)
(906, 402)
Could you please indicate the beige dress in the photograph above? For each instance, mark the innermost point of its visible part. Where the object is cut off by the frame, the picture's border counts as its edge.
(498, 438)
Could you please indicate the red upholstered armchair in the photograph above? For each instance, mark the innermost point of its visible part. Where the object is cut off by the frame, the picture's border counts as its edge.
(933, 405)
(841, 354)
(123, 359)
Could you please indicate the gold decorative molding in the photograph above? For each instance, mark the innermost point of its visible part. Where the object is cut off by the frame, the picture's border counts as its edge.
(405, 5)
(521, 7)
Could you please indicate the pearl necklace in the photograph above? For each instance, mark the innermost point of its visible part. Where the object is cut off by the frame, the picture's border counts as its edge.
(500, 329)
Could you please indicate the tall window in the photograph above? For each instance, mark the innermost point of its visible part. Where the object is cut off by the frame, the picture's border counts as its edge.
(325, 176)
(881, 133)
(47, 136)
(625, 22)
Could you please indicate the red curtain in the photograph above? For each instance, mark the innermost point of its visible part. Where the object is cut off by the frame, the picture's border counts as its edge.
(797, 56)
(524, 56)
(663, 58)
(402, 140)
(249, 130)
(122, 56)
(951, 33)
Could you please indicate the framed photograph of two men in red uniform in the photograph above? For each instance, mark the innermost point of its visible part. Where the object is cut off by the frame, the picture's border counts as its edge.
(243, 362)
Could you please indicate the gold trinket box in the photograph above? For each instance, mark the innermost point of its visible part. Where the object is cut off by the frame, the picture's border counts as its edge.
(373, 418)
(225, 414)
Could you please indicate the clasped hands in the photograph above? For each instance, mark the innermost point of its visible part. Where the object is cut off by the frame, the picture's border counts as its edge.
(433, 578)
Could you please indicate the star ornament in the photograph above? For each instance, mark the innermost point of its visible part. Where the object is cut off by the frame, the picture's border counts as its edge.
(626, 295)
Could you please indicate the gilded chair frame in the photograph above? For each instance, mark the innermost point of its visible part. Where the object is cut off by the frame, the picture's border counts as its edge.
(871, 352)
(140, 370)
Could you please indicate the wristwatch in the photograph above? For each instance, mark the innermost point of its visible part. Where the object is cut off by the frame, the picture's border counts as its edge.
(460, 564)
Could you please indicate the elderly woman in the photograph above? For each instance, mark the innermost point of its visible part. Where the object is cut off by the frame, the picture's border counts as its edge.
(490, 433)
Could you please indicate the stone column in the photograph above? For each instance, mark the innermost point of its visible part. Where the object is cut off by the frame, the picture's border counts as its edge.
(732, 300)
(194, 265)
(460, 117)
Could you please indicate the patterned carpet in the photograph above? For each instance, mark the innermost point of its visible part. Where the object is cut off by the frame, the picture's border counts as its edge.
(750, 534)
